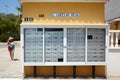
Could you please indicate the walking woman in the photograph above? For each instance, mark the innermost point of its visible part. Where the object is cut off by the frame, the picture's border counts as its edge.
(11, 47)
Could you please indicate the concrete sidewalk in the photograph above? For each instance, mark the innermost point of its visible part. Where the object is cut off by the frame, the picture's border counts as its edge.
(8, 68)
(110, 78)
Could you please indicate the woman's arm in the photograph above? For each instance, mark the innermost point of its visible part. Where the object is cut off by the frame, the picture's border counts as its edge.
(8, 43)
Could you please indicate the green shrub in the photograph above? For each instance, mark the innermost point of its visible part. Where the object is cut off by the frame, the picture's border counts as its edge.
(4, 37)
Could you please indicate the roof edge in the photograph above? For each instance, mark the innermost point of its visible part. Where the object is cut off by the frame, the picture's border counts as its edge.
(113, 20)
(21, 1)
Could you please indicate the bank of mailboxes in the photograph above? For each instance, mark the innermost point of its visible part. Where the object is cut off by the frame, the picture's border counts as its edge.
(54, 45)
(75, 45)
(33, 45)
(96, 45)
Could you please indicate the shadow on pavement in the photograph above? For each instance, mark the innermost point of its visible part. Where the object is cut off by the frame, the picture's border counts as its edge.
(16, 59)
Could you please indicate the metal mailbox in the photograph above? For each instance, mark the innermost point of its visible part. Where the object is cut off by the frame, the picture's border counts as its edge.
(48, 44)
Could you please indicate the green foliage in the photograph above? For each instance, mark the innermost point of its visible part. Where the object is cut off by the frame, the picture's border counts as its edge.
(19, 8)
(9, 26)
(4, 37)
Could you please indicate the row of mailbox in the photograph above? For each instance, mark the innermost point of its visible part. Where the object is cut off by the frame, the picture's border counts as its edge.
(61, 41)
(68, 54)
(71, 56)
(56, 60)
(69, 41)
(93, 58)
(77, 30)
(78, 36)
(61, 52)
(61, 56)
(69, 51)
(61, 49)
(68, 33)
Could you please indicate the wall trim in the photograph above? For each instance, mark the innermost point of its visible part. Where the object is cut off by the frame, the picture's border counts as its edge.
(22, 24)
(64, 0)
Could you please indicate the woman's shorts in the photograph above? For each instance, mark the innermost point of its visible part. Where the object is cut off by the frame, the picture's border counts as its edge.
(13, 49)
(9, 48)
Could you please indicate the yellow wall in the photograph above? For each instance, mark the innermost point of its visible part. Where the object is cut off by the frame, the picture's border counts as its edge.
(81, 71)
(45, 71)
(90, 13)
(28, 71)
(64, 71)
(84, 71)
(100, 71)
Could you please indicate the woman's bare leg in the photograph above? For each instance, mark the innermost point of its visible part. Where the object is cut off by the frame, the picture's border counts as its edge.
(13, 55)
(10, 54)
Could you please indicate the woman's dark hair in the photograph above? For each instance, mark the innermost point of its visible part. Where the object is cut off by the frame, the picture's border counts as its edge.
(11, 40)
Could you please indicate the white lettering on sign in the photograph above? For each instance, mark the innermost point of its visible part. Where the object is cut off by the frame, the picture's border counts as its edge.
(64, 14)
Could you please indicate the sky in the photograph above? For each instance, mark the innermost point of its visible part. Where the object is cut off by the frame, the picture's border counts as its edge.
(9, 6)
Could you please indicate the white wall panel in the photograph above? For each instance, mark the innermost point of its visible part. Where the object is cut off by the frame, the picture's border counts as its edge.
(114, 62)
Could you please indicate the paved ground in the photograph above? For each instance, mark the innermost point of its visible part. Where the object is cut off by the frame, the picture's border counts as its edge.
(11, 70)
(8, 68)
